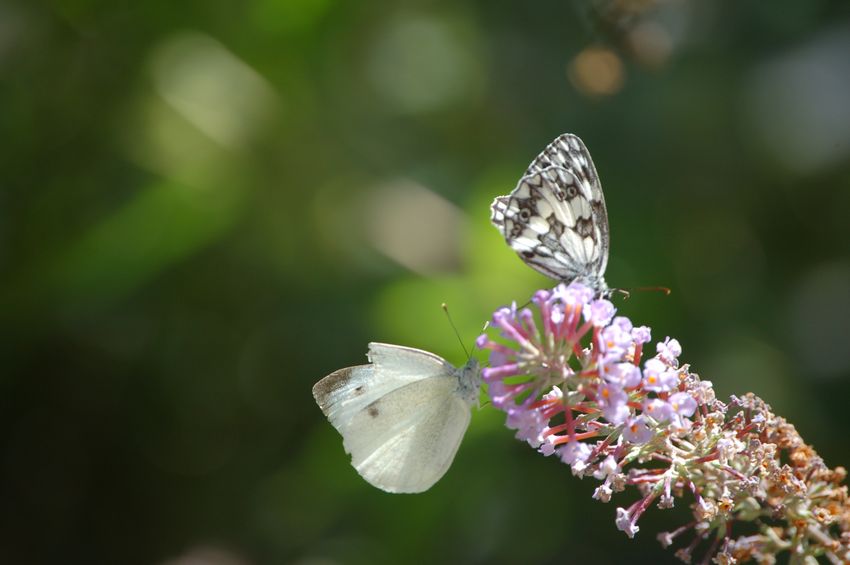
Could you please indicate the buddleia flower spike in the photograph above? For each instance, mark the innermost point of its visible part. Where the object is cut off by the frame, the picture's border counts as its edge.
(578, 382)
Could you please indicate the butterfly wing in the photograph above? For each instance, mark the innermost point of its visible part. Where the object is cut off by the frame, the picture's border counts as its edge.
(406, 440)
(346, 392)
(569, 152)
(555, 218)
(401, 418)
(553, 226)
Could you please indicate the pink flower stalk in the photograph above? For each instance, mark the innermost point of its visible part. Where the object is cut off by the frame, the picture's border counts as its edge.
(571, 377)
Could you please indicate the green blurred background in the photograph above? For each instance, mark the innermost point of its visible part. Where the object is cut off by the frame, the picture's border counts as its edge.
(208, 206)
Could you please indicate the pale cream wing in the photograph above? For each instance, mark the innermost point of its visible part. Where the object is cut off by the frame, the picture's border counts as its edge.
(402, 417)
(403, 364)
(345, 392)
(406, 440)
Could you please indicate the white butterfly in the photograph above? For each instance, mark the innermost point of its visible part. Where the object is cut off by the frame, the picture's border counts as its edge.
(555, 218)
(402, 417)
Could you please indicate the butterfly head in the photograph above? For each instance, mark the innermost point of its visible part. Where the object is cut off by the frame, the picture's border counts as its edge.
(469, 380)
(596, 282)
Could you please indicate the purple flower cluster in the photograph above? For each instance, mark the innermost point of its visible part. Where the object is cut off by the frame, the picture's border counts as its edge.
(572, 379)
(571, 382)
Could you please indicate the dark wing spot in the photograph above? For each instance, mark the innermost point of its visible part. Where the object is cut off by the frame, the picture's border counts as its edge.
(358, 391)
(597, 207)
(373, 411)
(572, 191)
(514, 228)
(526, 209)
(555, 226)
(331, 383)
(584, 227)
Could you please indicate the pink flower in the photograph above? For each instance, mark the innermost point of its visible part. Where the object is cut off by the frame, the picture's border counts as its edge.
(641, 334)
(625, 523)
(636, 431)
(658, 377)
(575, 454)
(658, 409)
(669, 351)
(600, 313)
(683, 404)
(613, 401)
(626, 375)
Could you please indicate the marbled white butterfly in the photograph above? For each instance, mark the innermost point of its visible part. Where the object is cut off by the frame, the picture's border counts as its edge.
(555, 219)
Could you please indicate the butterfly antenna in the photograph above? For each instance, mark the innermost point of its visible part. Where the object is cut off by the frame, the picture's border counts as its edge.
(663, 289)
(627, 293)
(454, 327)
(483, 329)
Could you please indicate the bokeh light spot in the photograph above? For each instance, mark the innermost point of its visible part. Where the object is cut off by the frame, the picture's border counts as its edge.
(210, 87)
(651, 44)
(798, 104)
(423, 63)
(597, 71)
(415, 227)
